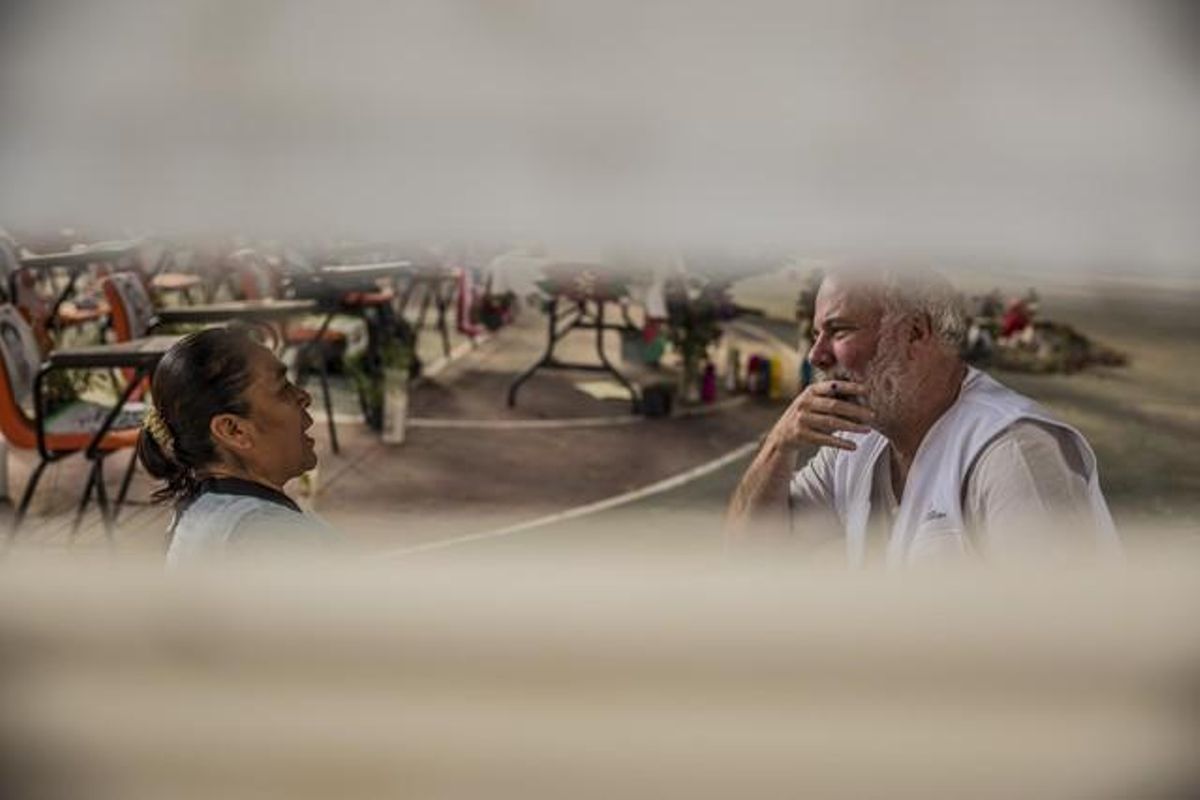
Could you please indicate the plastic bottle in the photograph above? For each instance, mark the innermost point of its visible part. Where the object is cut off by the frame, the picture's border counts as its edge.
(395, 404)
(732, 369)
(753, 374)
(764, 377)
(775, 384)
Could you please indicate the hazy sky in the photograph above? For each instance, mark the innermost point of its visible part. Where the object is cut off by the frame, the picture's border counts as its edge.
(1064, 133)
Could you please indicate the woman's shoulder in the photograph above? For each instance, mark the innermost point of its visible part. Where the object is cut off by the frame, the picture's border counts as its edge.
(209, 522)
(216, 523)
(268, 523)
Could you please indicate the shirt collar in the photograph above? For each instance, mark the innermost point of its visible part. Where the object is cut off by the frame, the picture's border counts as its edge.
(241, 486)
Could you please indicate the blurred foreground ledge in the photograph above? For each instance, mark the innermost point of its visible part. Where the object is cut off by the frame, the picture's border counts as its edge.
(556, 678)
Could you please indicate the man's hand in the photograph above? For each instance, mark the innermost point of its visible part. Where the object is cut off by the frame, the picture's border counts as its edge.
(818, 413)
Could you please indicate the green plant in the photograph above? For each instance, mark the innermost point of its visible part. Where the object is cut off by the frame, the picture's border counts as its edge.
(695, 310)
(367, 370)
(62, 387)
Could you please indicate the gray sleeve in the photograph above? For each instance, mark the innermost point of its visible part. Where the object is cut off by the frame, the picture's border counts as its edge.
(1028, 493)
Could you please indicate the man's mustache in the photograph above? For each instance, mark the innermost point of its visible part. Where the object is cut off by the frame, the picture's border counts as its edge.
(840, 375)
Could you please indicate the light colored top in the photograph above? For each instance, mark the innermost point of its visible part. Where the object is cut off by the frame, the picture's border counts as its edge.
(216, 524)
(1029, 491)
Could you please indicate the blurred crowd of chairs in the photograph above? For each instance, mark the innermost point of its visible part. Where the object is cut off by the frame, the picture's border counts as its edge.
(71, 299)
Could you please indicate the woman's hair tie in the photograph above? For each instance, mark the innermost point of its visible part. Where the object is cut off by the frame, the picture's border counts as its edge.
(156, 426)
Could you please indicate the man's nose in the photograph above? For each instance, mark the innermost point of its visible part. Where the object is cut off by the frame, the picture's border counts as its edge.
(305, 398)
(820, 355)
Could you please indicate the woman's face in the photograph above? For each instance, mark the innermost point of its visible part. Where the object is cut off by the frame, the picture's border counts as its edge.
(278, 421)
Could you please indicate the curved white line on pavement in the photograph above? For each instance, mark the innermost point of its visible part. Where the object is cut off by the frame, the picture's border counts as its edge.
(455, 354)
(581, 511)
(578, 422)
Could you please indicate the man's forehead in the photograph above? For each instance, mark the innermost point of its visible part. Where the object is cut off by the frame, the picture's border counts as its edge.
(840, 296)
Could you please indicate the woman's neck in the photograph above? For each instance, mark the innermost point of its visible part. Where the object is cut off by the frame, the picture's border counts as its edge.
(230, 471)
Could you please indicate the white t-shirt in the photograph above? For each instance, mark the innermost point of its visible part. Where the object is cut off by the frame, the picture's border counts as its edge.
(234, 517)
(1024, 486)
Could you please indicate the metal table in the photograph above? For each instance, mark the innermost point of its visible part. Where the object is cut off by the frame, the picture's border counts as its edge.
(75, 262)
(334, 273)
(236, 310)
(433, 280)
(332, 284)
(567, 312)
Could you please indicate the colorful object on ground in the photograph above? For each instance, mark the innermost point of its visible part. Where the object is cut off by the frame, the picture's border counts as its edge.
(1016, 318)
(708, 385)
(775, 380)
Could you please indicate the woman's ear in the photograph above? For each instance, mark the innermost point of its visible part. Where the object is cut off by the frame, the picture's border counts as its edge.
(231, 432)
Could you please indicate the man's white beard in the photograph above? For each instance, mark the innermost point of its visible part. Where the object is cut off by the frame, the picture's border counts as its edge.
(884, 377)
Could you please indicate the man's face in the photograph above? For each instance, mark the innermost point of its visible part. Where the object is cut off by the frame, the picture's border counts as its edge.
(854, 343)
(847, 326)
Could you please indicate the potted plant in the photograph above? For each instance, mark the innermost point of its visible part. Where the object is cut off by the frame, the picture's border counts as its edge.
(696, 307)
(382, 381)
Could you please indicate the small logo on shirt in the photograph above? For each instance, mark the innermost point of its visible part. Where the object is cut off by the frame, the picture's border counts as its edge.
(933, 514)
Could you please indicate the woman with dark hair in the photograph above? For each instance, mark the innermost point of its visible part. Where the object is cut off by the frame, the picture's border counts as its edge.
(226, 430)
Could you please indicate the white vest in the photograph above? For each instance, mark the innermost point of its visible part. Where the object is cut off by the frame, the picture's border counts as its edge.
(930, 522)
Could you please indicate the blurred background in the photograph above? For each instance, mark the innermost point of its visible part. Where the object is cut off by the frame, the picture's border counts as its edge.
(1046, 158)
(436, 186)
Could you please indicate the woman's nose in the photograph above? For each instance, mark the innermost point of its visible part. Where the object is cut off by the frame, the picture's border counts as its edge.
(305, 399)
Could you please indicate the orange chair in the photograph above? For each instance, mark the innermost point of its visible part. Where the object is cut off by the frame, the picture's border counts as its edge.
(21, 288)
(157, 268)
(131, 310)
(70, 430)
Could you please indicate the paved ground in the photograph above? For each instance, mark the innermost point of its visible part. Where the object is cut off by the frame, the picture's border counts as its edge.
(1140, 418)
(444, 483)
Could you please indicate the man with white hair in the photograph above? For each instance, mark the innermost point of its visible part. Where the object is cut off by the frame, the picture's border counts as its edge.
(921, 456)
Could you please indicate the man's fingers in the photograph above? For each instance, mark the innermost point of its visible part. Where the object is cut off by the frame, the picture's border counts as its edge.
(829, 423)
(819, 429)
(842, 408)
(831, 388)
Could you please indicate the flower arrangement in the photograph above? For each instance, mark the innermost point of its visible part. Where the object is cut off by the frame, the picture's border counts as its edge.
(696, 307)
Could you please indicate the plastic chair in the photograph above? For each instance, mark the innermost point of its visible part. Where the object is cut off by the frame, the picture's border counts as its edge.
(132, 310)
(21, 288)
(158, 269)
(70, 430)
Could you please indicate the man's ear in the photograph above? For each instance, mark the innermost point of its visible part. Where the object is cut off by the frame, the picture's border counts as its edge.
(920, 328)
(231, 432)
